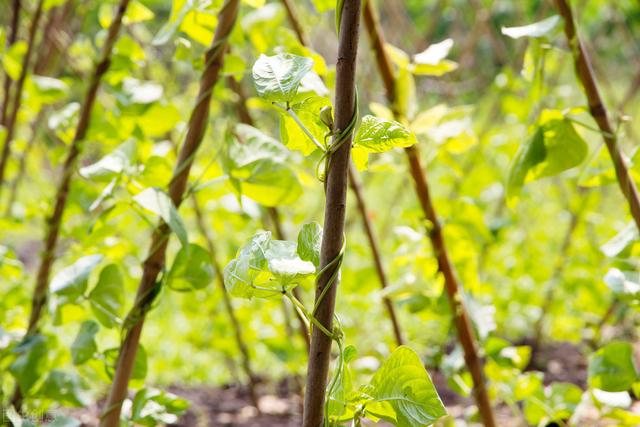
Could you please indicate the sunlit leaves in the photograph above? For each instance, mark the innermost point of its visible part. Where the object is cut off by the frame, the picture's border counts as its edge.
(403, 392)
(265, 268)
(554, 403)
(554, 147)
(278, 77)
(612, 368)
(309, 242)
(84, 346)
(257, 167)
(12, 59)
(141, 92)
(432, 61)
(191, 269)
(380, 135)
(536, 30)
(158, 202)
(620, 241)
(376, 135)
(72, 280)
(308, 112)
(107, 297)
(47, 90)
(151, 407)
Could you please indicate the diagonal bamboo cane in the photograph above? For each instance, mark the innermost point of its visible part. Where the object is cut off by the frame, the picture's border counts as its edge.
(452, 286)
(599, 111)
(155, 261)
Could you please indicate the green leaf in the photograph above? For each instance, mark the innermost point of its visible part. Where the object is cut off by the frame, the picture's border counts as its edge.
(536, 30)
(151, 407)
(625, 284)
(107, 297)
(612, 368)
(84, 347)
(12, 59)
(554, 148)
(65, 387)
(432, 62)
(403, 392)
(47, 89)
(380, 135)
(72, 281)
(113, 163)
(278, 77)
(158, 202)
(308, 112)
(30, 363)
(63, 421)
(258, 168)
(618, 243)
(322, 6)
(191, 269)
(309, 242)
(265, 268)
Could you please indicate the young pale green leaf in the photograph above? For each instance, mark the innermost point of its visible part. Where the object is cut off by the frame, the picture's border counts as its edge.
(612, 367)
(84, 346)
(322, 6)
(278, 77)
(403, 392)
(432, 62)
(192, 269)
(536, 30)
(107, 297)
(379, 135)
(620, 241)
(156, 201)
(625, 284)
(179, 10)
(265, 268)
(72, 281)
(113, 163)
(48, 90)
(30, 362)
(151, 407)
(309, 242)
(308, 112)
(554, 148)
(12, 59)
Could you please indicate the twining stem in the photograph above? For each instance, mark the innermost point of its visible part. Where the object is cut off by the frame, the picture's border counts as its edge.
(12, 118)
(11, 39)
(228, 306)
(356, 187)
(445, 267)
(335, 210)
(557, 272)
(598, 110)
(155, 261)
(47, 256)
(273, 212)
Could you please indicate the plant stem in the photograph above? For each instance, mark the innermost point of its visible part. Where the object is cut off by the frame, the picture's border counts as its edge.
(11, 39)
(39, 298)
(273, 212)
(334, 215)
(10, 123)
(155, 261)
(228, 306)
(598, 110)
(356, 187)
(461, 319)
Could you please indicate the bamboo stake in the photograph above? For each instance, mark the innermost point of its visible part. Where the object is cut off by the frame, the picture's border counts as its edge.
(461, 319)
(11, 39)
(228, 306)
(10, 123)
(39, 298)
(598, 110)
(334, 214)
(363, 211)
(155, 261)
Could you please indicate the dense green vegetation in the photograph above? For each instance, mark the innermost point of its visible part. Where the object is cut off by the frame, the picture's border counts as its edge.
(403, 212)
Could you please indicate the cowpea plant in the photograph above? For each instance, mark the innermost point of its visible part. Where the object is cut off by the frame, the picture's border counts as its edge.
(270, 268)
